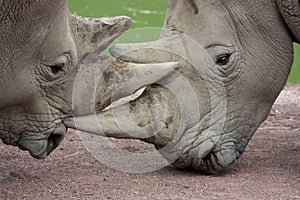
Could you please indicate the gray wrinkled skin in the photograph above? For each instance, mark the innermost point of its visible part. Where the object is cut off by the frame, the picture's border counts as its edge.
(247, 51)
(44, 48)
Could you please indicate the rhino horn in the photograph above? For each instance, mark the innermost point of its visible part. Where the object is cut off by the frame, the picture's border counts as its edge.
(127, 78)
(110, 128)
(141, 75)
(137, 120)
(149, 52)
(95, 34)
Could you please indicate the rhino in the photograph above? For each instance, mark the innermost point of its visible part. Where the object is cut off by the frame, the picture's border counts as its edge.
(44, 50)
(234, 59)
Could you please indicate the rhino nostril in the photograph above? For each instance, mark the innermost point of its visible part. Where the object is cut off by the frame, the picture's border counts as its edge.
(209, 164)
(53, 141)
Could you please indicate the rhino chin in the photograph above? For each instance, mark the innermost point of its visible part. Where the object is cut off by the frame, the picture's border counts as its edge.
(40, 148)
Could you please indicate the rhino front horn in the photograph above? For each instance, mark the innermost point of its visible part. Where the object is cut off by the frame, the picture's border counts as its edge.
(141, 119)
(136, 77)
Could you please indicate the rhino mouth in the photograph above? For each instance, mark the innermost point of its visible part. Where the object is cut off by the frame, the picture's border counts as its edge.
(54, 141)
(209, 164)
(218, 162)
(41, 146)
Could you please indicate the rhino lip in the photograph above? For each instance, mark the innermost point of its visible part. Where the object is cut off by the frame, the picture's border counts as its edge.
(209, 165)
(40, 147)
(36, 147)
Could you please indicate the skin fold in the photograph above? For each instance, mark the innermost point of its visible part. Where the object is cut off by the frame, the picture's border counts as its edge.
(50, 62)
(234, 59)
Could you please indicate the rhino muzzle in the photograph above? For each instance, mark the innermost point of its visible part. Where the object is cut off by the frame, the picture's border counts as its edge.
(42, 146)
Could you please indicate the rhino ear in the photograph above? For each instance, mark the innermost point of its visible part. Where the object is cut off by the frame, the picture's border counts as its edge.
(290, 11)
(93, 35)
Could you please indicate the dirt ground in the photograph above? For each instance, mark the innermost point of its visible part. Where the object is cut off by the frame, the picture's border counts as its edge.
(269, 168)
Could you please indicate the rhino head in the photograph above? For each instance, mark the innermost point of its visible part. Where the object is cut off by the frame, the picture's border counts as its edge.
(235, 57)
(44, 49)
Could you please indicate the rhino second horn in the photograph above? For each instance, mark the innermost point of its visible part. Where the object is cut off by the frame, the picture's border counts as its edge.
(150, 52)
(95, 34)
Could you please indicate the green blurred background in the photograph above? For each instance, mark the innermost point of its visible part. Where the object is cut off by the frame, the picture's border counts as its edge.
(145, 13)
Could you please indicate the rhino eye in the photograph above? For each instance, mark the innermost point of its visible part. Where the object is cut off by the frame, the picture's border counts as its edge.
(57, 68)
(223, 59)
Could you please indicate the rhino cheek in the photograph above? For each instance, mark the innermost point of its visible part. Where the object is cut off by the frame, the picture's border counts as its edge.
(238, 130)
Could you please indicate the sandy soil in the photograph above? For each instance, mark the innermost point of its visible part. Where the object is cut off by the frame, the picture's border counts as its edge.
(269, 168)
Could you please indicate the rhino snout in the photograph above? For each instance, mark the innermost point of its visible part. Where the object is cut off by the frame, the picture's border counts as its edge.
(40, 147)
(217, 162)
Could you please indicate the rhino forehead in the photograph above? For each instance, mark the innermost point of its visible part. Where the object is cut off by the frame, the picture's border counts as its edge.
(23, 25)
(24, 21)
